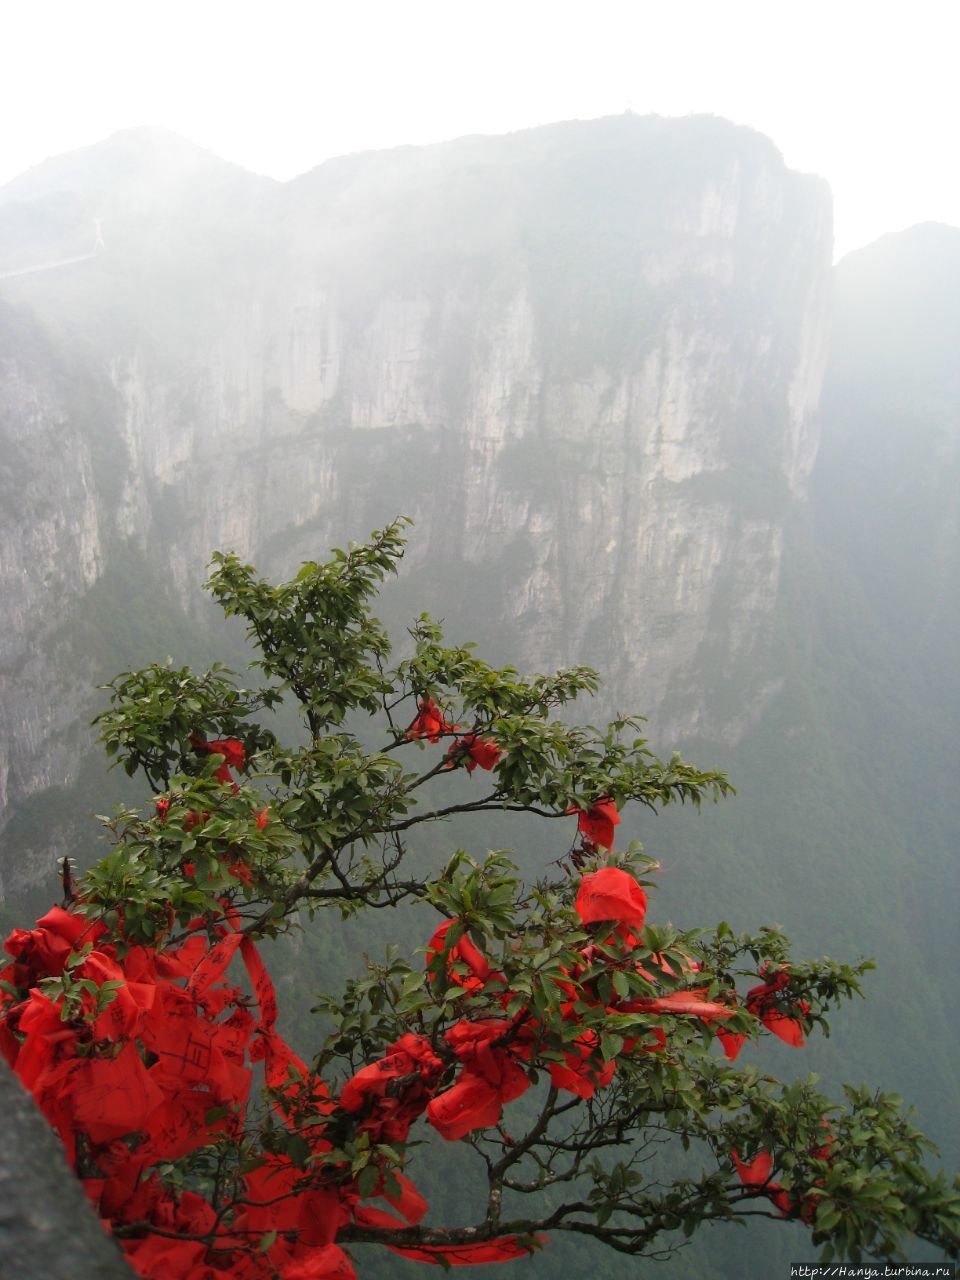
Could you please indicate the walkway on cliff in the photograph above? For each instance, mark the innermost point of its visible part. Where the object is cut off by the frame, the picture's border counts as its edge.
(49, 266)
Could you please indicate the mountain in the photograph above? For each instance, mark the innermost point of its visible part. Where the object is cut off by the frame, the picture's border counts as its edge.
(640, 423)
(130, 191)
(585, 358)
(845, 826)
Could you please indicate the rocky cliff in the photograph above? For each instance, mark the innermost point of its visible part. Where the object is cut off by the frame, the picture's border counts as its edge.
(585, 358)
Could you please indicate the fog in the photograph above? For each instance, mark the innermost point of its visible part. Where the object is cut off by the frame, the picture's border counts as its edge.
(866, 97)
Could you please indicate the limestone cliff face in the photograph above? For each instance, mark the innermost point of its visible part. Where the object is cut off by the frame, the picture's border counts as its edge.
(585, 358)
(51, 553)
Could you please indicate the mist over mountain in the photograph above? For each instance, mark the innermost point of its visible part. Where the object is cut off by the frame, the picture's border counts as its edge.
(640, 422)
(587, 353)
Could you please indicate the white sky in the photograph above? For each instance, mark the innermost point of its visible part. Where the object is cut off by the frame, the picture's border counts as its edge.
(864, 93)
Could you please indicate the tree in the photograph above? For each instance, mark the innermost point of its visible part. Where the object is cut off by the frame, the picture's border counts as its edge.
(550, 1027)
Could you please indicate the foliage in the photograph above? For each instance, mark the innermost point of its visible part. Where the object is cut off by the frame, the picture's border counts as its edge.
(620, 1035)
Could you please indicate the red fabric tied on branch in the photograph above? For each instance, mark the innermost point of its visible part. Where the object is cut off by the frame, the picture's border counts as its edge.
(410, 1206)
(420, 1052)
(284, 1071)
(489, 1048)
(263, 987)
(113, 1097)
(270, 1192)
(42, 952)
(663, 965)
(394, 1091)
(131, 1002)
(230, 748)
(464, 952)
(756, 1174)
(583, 1072)
(46, 1060)
(179, 962)
(282, 1198)
(657, 1041)
(174, 1011)
(474, 751)
(160, 1257)
(596, 824)
(688, 1002)
(491, 1077)
(49, 1042)
(784, 1027)
(328, 1263)
(762, 1002)
(123, 1198)
(825, 1151)
(471, 1103)
(9, 1044)
(108, 1097)
(240, 871)
(193, 1049)
(505, 1249)
(732, 1042)
(234, 756)
(321, 1213)
(429, 722)
(611, 894)
(213, 965)
(181, 1124)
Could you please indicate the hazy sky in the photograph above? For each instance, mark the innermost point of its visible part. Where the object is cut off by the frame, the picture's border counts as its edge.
(863, 93)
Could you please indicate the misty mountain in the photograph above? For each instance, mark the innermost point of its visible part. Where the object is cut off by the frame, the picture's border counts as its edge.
(589, 353)
(640, 422)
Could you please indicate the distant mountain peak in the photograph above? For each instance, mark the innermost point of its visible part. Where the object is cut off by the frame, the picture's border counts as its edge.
(130, 158)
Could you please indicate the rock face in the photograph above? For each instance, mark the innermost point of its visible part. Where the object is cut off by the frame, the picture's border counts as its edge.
(586, 359)
(51, 551)
(48, 1230)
